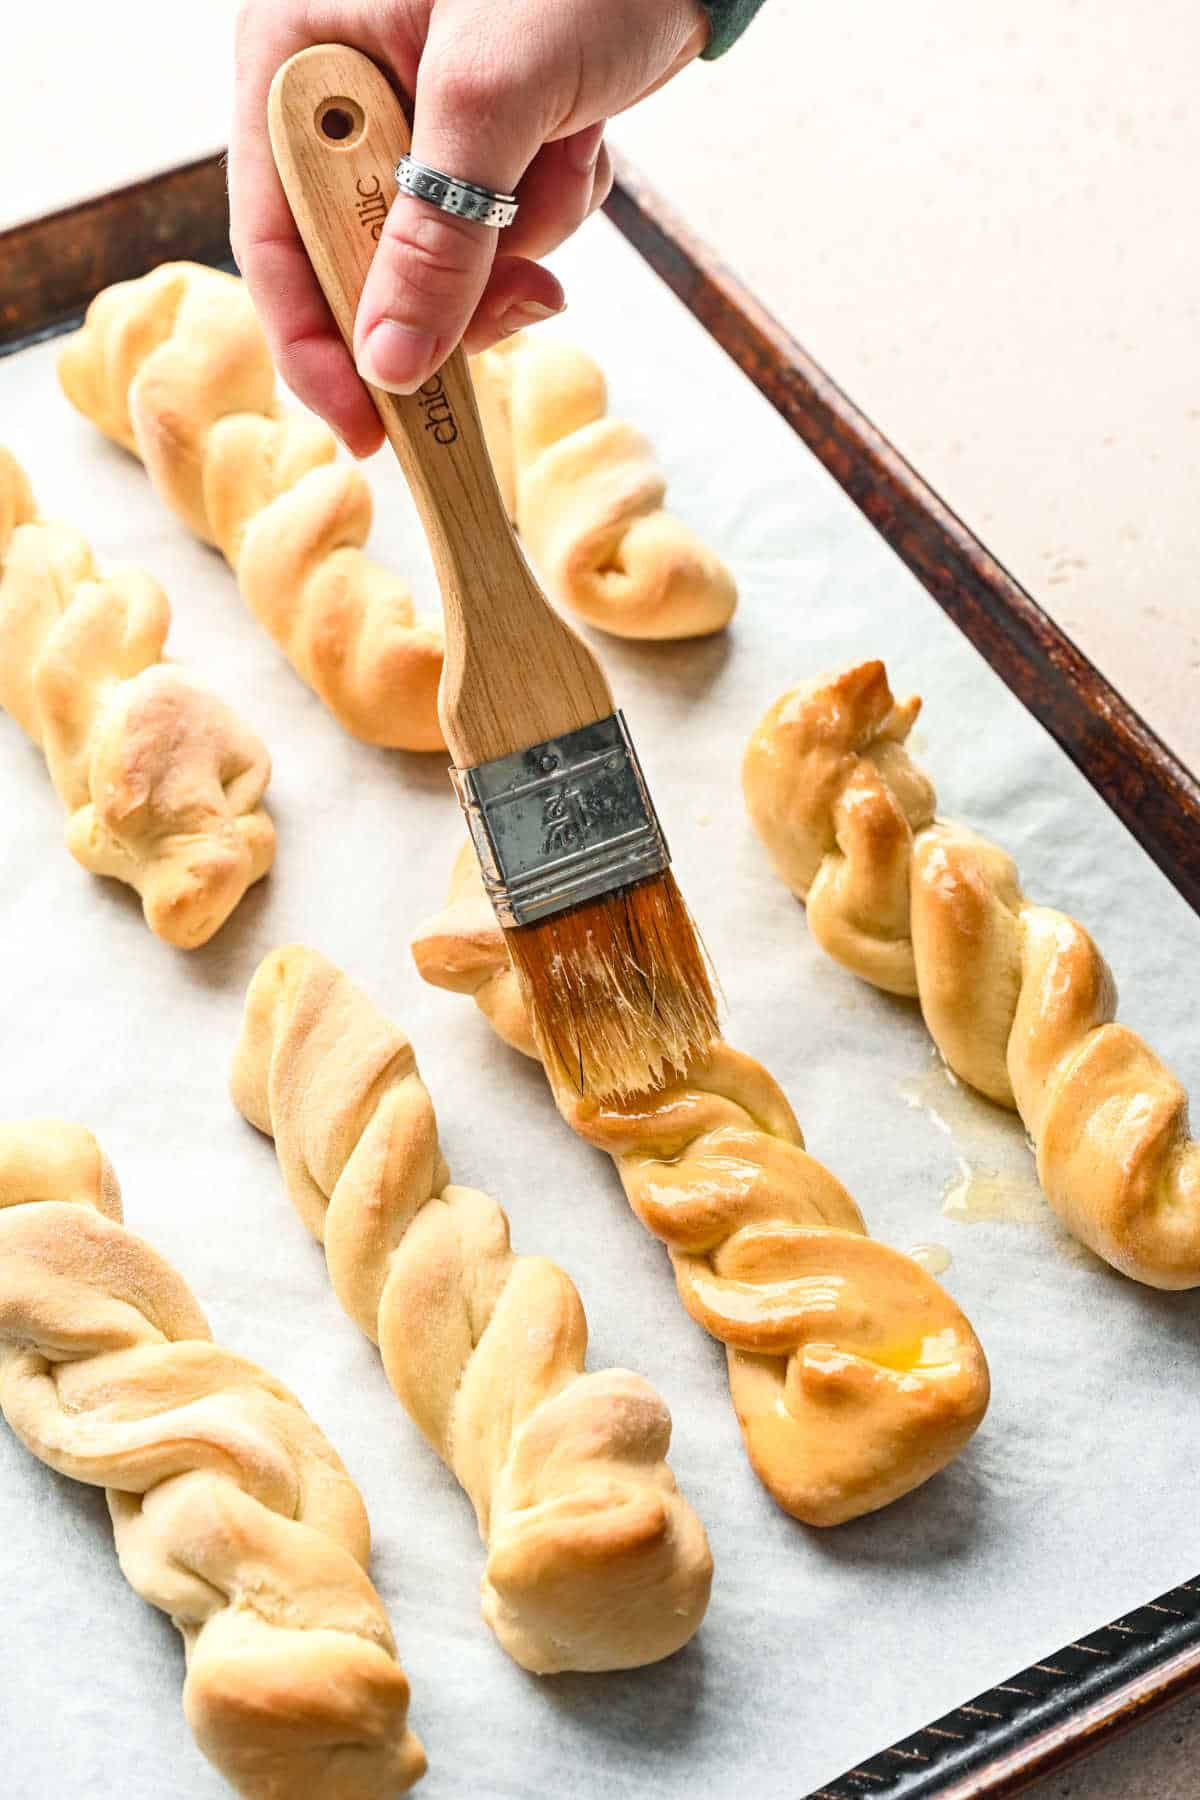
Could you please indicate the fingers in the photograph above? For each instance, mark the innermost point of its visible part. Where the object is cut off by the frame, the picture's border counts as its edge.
(602, 181)
(471, 120)
(518, 293)
(484, 110)
(566, 182)
(556, 195)
(303, 339)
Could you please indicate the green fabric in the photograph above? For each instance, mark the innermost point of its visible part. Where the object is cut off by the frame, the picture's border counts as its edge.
(729, 19)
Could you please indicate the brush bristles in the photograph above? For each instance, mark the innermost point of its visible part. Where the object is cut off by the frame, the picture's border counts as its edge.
(619, 990)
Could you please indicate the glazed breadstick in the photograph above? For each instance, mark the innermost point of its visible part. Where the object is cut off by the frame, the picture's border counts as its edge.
(161, 781)
(1017, 997)
(595, 1560)
(586, 494)
(854, 1375)
(175, 367)
(231, 1511)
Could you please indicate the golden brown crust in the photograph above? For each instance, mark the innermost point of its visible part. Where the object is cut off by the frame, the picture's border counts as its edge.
(161, 781)
(231, 1511)
(595, 1560)
(829, 790)
(1017, 997)
(854, 1375)
(460, 945)
(586, 494)
(175, 367)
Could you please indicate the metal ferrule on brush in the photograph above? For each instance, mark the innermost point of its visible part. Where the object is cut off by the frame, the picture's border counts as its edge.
(562, 822)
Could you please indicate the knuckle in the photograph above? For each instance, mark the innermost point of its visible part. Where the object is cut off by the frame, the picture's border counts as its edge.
(292, 370)
(246, 29)
(251, 248)
(292, 367)
(432, 254)
(265, 33)
(302, 362)
(468, 84)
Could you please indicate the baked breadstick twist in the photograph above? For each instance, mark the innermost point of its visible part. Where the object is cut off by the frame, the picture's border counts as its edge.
(231, 1511)
(1017, 997)
(161, 781)
(595, 1560)
(854, 1375)
(175, 367)
(586, 494)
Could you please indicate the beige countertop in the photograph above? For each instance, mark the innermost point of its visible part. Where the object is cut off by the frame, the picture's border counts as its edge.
(989, 239)
(982, 221)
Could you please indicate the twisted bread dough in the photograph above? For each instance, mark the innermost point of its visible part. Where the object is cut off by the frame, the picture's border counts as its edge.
(161, 781)
(854, 1375)
(1017, 997)
(595, 1560)
(586, 494)
(175, 367)
(231, 1511)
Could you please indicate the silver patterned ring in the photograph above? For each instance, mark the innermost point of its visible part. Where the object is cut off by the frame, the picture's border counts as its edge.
(465, 199)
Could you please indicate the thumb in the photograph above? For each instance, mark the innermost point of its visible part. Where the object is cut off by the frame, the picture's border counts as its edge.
(430, 268)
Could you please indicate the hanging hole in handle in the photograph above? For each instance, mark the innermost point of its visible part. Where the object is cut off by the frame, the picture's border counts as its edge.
(340, 122)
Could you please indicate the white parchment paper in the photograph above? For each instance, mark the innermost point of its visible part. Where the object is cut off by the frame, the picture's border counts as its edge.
(1077, 1499)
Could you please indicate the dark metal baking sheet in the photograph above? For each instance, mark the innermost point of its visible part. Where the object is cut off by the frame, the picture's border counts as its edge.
(1044, 1716)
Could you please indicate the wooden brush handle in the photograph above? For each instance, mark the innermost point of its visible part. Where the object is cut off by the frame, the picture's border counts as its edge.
(515, 673)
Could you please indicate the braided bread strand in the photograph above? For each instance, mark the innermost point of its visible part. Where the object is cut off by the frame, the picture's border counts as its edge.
(175, 367)
(1017, 997)
(595, 1560)
(586, 494)
(854, 1375)
(231, 1511)
(161, 781)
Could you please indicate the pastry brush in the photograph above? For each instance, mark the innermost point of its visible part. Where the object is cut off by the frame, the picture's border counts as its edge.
(572, 854)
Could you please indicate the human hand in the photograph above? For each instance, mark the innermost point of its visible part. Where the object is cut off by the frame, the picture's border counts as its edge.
(512, 96)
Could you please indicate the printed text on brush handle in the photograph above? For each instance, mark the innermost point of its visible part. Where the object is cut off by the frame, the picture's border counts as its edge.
(514, 672)
(371, 210)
